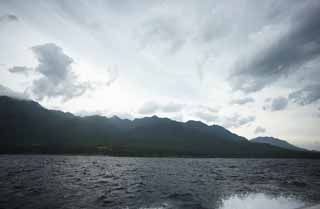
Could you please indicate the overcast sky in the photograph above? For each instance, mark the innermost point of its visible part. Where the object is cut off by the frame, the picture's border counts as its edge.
(250, 66)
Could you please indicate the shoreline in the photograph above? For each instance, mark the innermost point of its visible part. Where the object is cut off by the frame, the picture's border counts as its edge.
(155, 156)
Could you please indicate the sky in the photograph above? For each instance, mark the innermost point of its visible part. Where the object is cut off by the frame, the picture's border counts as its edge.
(250, 66)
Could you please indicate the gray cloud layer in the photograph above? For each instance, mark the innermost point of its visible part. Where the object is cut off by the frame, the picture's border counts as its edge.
(165, 31)
(277, 104)
(306, 95)
(288, 53)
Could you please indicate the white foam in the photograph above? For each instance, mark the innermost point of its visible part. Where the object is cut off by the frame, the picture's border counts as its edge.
(261, 201)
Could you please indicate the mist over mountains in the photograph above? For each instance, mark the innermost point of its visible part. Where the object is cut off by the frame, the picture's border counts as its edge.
(27, 127)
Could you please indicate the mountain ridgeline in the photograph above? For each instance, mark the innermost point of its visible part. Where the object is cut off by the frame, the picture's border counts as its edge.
(27, 127)
(276, 142)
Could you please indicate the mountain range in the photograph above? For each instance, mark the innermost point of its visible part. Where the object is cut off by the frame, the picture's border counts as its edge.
(276, 142)
(27, 127)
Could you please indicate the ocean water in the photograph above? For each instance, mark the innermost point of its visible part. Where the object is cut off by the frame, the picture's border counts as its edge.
(48, 181)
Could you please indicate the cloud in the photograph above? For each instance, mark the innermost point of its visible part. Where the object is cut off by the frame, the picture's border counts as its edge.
(5, 91)
(53, 62)
(277, 104)
(172, 107)
(162, 31)
(113, 75)
(259, 130)
(9, 18)
(212, 25)
(207, 116)
(20, 69)
(57, 78)
(236, 121)
(205, 113)
(200, 64)
(306, 95)
(288, 50)
(148, 108)
(242, 101)
(204, 108)
(152, 107)
(202, 112)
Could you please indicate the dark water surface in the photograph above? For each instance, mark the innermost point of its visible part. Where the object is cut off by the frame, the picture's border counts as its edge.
(43, 181)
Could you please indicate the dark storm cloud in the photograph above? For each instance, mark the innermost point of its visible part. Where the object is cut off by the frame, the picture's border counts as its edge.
(9, 18)
(259, 130)
(306, 95)
(242, 101)
(277, 104)
(57, 78)
(300, 44)
(20, 69)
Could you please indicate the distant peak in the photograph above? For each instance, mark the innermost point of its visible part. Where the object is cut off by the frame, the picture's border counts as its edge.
(115, 117)
(196, 123)
(270, 138)
(276, 142)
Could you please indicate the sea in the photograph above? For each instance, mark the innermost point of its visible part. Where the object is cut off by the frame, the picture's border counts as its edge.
(85, 182)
